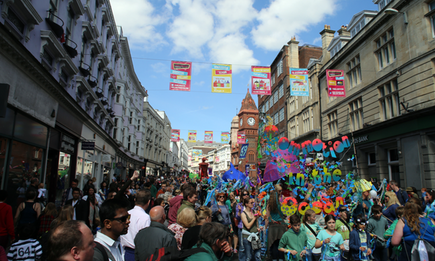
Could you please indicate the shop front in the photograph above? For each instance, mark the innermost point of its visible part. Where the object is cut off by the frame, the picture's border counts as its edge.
(23, 147)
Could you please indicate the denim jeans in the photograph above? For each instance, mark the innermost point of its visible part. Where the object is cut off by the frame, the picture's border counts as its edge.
(309, 255)
(251, 255)
(242, 252)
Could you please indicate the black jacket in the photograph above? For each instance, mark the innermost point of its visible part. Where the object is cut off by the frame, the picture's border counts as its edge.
(81, 209)
(151, 238)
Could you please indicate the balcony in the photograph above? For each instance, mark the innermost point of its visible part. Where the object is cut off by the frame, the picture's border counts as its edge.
(92, 81)
(99, 93)
(70, 47)
(85, 69)
(104, 101)
(55, 23)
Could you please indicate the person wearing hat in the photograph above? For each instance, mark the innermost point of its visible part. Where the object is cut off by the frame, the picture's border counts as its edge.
(359, 240)
(412, 192)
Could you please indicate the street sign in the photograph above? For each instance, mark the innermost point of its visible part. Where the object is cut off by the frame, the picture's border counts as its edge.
(88, 145)
(243, 151)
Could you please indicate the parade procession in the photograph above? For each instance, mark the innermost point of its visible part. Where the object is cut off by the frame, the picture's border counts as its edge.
(205, 130)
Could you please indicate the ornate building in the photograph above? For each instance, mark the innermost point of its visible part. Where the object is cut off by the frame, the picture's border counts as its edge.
(248, 122)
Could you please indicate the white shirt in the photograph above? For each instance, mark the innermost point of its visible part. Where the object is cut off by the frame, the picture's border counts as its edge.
(113, 246)
(139, 219)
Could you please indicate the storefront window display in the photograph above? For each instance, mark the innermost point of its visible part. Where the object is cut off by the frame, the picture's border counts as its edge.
(85, 166)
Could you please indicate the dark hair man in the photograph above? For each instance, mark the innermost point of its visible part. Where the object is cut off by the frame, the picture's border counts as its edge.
(114, 223)
(175, 203)
(139, 220)
(402, 196)
(81, 211)
(67, 193)
(189, 199)
(71, 241)
(156, 236)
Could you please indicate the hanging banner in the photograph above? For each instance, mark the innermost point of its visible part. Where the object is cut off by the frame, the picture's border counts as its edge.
(225, 137)
(221, 78)
(241, 137)
(299, 85)
(191, 136)
(335, 83)
(180, 76)
(208, 137)
(175, 135)
(243, 151)
(260, 80)
(196, 153)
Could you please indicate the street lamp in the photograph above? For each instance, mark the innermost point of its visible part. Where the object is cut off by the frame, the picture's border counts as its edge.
(392, 11)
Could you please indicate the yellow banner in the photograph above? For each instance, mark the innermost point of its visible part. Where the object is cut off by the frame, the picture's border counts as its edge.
(221, 79)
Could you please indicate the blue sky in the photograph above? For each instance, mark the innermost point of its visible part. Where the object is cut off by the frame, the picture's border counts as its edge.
(237, 32)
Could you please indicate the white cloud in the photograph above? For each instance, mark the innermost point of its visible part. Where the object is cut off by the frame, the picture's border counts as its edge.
(161, 68)
(318, 39)
(284, 19)
(138, 20)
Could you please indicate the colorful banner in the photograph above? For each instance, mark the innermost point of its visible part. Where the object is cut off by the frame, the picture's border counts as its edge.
(241, 137)
(225, 137)
(191, 136)
(335, 83)
(243, 151)
(216, 159)
(260, 80)
(196, 153)
(208, 137)
(299, 85)
(175, 135)
(221, 78)
(180, 76)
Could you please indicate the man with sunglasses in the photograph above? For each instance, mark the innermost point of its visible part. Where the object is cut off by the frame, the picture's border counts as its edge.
(114, 223)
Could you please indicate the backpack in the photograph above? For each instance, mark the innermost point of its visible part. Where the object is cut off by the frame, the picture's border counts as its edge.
(422, 251)
(102, 249)
(172, 253)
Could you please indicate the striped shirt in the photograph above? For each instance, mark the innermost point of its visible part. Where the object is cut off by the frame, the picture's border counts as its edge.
(25, 250)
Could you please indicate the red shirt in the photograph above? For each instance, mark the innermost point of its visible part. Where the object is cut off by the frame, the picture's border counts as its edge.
(6, 221)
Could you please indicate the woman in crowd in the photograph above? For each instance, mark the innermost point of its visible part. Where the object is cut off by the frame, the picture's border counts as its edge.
(45, 220)
(330, 240)
(411, 227)
(311, 229)
(103, 191)
(191, 236)
(391, 203)
(275, 223)
(66, 213)
(232, 202)
(93, 203)
(220, 210)
(429, 200)
(213, 237)
(29, 211)
(250, 227)
(185, 219)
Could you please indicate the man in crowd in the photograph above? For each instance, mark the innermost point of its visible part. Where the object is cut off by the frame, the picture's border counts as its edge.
(67, 193)
(156, 236)
(189, 199)
(174, 205)
(81, 209)
(402, 196)
(162, 190)
(139, 220)
(71, 241)
(114, 223)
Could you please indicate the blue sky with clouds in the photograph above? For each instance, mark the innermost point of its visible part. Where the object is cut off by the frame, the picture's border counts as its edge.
(237, 32)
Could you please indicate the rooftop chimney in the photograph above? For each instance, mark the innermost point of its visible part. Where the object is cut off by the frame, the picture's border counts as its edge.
(327, 36)
(293, 53)
(343, 31)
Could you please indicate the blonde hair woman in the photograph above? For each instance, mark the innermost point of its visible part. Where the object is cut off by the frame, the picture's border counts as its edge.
(185, 219)
(391, 202)
(191, 236)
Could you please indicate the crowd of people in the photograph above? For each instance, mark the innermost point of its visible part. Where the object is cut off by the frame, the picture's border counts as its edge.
(142, 218)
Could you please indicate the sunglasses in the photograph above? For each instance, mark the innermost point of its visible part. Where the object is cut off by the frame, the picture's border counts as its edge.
(221, 197)
(123, 219)
(245, 194)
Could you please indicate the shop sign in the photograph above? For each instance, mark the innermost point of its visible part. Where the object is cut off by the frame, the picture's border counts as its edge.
(361, 139)
(88, 145)
(106, 158)
(67, 144)
(119, 165)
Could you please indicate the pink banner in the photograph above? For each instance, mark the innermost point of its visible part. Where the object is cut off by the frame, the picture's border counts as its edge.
(208, 137)
(180, 76)
(260, 80)
(335, 83)
(175, 135)
(241, 137)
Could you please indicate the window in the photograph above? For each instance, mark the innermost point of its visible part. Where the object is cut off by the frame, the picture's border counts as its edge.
(356, 114)
(69, 24)
(389, 100)
(292, 128)
(354, 72)
(280, 68)
(275, 97)
(371, 158)
(292, 106)
(385, 49)
(383, 3)
(15, 21)
(306, 121)
(64, 76)
(332, 124)
(271, 101)
(117, 98)
(281, 91)
(431, 16)
(276, 118)
(281, 115)
(273, 79)
(393, 165)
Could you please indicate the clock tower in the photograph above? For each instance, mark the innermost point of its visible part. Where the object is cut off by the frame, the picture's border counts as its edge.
(248, 122)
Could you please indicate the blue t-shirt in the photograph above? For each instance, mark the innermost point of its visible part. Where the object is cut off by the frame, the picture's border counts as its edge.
(333, 248)
(427, 230)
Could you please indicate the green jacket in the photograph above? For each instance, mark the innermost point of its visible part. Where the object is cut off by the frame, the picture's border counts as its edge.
(209, 256)
(390, 230)
(185, 204)
(292, 241)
